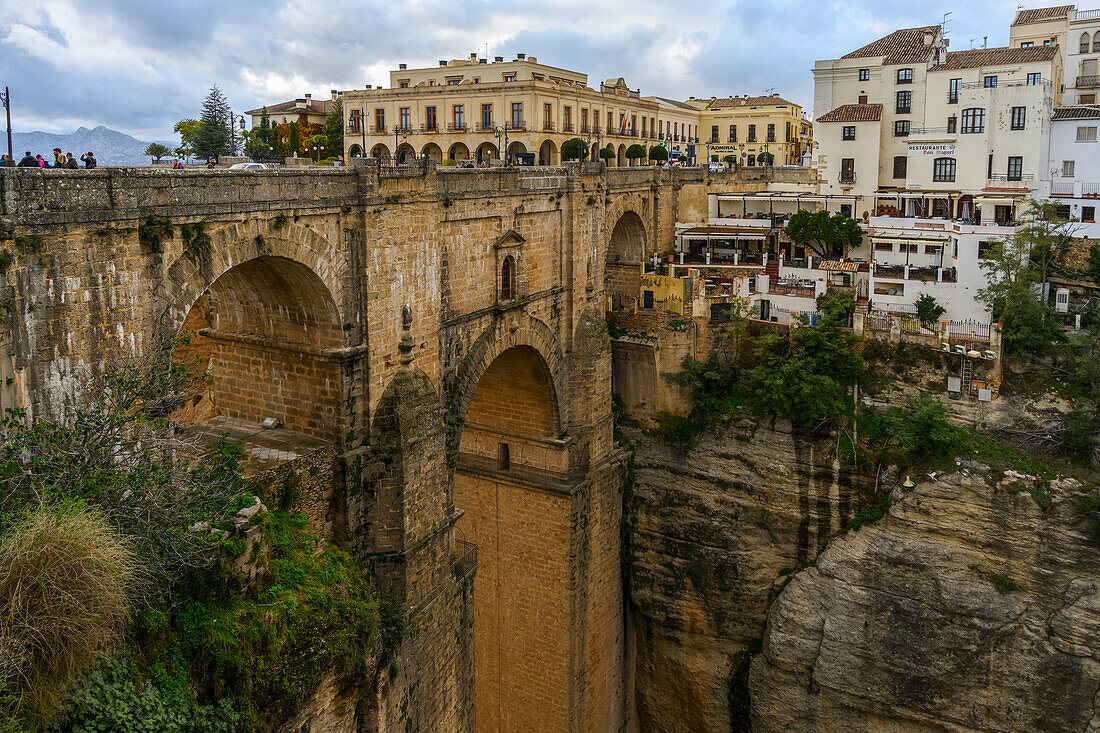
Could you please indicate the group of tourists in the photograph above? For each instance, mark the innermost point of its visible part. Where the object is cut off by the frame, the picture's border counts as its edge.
(60, 160)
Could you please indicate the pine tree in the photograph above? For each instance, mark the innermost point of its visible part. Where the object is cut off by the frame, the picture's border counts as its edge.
(215, 135)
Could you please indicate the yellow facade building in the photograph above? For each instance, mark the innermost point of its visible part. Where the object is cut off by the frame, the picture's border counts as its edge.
(753, 128)
(472, 109)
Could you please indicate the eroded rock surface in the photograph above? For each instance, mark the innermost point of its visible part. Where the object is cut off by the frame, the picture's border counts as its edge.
(711, 533)
(968, 608)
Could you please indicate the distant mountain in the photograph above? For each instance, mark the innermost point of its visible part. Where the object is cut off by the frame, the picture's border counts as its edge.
(110, 147)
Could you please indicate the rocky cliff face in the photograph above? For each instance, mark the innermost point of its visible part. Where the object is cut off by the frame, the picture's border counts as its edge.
(970, 607)
(709, 535)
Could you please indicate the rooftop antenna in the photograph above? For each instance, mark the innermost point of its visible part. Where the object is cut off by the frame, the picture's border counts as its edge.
(972, 43)
(943, 23)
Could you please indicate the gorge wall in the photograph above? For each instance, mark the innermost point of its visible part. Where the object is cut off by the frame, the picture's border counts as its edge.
(710, 532)
(968, 608)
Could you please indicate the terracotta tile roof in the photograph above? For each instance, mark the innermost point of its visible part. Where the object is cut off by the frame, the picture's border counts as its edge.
(900, 47)
(747, 101)
(1082, 112)
(314, 107)
(853, 113)
(1041, 15)
(996, 56)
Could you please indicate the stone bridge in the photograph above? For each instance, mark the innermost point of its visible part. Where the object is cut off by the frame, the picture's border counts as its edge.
(438, 340)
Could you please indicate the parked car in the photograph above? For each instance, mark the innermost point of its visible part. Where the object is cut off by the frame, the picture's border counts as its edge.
(716, 167)
(248, 167)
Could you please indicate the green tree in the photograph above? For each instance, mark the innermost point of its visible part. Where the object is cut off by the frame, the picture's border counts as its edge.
(215, 135)
(333, 129)
(730, 159)
(157, 151)
(318, 141)
(607, 153)
(635, 152)
(187, 130)
(658, 153)
(1047, 238)
(1012, 294)
(765, 159)
(260, 142)
(827, 235)
(920, 432)
(805, 376)
(574, 149)
(928, 310)
(1094, 263)
(836, 307)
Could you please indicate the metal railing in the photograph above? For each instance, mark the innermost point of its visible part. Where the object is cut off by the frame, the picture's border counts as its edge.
(416, 168)
(547, 126)
(1005, 84)
(1061, 188)
(968, 329)
(456, 127)
(1012, 177)
(465, 559)
(846, 177)
(1088, 82)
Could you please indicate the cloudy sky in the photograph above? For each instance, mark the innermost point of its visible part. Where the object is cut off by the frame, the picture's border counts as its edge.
(140, 65)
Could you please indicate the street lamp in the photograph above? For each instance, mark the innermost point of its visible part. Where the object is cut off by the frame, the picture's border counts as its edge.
(6, 99)
(502, 131)
(404, 133)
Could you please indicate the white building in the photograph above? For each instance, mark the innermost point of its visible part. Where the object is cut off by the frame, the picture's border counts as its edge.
(1072, 182)
(910, 128)
(1076, 33)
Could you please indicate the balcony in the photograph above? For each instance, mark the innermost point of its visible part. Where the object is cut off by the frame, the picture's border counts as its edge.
(1088, 82)
(376, 130)
(953, 98)
(517, 125)
(547, 126)
(903, 110)
(846, 177)
(457, 127)
(567, 127)
(353, 130)
(429, 128)
(997, 179)
(584, 129)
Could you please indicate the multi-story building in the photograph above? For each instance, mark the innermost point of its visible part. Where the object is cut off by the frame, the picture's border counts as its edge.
(471, 109)
(752, 128)
(313, 111)
(909, 128)
(1076, 33)
(1073, 183)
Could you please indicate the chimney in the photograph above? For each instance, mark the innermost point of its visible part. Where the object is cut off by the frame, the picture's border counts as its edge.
(299, 103)
(473, 55)
(442, 62)
(533, 60)
(309, 97)
(520, 56)
(929, 36)
(402, 67)
(335, 94)
(483, 61)
(498, 59)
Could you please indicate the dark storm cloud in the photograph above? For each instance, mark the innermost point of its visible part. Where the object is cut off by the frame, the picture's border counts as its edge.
(139, 66)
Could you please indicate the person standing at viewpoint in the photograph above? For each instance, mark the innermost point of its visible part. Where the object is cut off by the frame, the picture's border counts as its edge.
(28, 161)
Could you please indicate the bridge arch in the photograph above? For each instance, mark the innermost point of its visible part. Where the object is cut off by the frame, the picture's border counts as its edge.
(511, 484)
(626, 250)
(260, 343)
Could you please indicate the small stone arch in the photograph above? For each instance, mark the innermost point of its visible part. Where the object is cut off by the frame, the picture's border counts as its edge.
(620, 157)
(355, 151)
(486, 152)
(626, 250)
(515, 148)
(548, 153)
(380, 151)
(406, 153)
(458, 152)
(433, 151)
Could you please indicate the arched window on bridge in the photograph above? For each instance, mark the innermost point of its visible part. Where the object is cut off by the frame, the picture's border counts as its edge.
(508, 279)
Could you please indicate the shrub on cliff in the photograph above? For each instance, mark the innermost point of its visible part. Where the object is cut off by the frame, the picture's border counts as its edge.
(64, 577)
(920, 433)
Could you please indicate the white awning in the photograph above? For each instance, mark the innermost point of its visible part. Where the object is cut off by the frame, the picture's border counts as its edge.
(996, 200)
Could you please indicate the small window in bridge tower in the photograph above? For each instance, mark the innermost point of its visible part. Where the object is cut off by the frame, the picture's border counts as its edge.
(504, 460)
(507, 278)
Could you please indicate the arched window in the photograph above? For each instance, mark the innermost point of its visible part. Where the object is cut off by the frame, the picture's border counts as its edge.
(507, 278)
(1084, 43)
(1096, 42)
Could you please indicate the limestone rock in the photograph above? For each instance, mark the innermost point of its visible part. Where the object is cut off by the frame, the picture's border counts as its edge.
(967, 608)
(710, 534)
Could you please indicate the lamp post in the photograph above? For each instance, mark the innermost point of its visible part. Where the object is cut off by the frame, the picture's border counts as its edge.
(6, 99)
(502, 131)
(404, 133)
